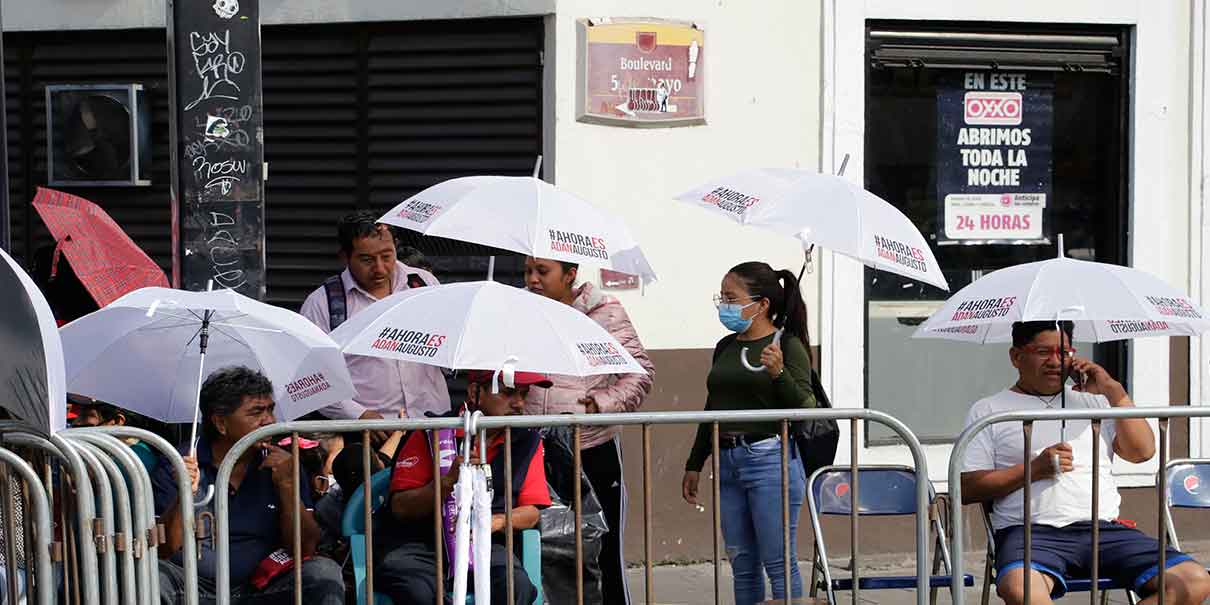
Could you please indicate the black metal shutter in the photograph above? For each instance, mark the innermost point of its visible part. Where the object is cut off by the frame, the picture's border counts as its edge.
(36, 59)
(356, 116)
(364, 115)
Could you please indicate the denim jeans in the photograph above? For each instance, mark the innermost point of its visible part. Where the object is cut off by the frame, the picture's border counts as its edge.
(750, 494)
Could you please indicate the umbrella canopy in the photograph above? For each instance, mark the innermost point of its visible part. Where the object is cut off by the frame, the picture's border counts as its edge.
(1105, 302)
(105, 259)
(32, 387)
(143, 352)
(825, 210)
(525, 215)
(486, 326)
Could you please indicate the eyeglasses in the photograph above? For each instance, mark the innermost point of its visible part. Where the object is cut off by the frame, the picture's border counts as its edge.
(719, 300)
(1046, 352)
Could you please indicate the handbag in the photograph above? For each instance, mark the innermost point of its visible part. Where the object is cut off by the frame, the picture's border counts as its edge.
(816, 439)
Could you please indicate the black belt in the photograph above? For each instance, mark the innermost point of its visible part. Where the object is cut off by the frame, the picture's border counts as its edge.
(726, 442)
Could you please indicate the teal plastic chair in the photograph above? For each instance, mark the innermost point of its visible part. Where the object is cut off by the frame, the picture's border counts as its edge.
(352, 526)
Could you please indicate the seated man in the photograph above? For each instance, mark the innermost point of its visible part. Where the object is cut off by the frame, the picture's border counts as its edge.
(407, 572)
(1061, 498)
(234, 402)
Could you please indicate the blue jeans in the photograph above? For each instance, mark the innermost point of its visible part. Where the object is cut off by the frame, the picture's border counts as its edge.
(750, 494)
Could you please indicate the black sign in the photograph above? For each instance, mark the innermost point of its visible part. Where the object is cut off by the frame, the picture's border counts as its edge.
(220, 145)
(994, 133)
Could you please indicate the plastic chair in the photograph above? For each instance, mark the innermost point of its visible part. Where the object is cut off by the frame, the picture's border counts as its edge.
(352, 526)
(1073, 584)
(1188, 487)
(885, 491)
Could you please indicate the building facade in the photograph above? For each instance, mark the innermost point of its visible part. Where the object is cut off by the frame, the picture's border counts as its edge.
(367, 101)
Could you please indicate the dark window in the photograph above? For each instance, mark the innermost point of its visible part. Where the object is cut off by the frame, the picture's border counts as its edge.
(1081, 72)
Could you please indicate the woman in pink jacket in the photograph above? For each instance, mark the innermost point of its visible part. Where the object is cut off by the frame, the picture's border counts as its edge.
(600, 452)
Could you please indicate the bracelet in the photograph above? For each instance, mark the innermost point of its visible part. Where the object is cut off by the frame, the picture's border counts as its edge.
(779, 374)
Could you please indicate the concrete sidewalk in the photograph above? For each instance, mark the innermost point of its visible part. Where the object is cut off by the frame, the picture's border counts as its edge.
(694, 584)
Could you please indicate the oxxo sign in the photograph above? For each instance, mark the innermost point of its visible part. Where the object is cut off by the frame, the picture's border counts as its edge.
(994, 156)
(993, 108)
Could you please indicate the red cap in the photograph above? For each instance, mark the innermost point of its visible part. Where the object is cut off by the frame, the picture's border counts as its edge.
(520, 379)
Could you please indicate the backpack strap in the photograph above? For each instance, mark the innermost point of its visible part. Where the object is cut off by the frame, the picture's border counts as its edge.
(338, 308)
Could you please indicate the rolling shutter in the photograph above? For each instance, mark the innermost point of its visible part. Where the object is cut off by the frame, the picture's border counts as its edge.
(363, 116)
(357, 116)
(1021, 48)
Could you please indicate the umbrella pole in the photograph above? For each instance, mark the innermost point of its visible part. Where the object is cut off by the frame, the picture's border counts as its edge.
(491, 267)
(203, 340)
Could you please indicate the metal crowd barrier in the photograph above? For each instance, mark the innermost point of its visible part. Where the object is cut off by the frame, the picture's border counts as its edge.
(576, 422)
(110, 536)
(1027, 419)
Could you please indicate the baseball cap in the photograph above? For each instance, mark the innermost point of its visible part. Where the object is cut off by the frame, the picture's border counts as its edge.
(520, 379)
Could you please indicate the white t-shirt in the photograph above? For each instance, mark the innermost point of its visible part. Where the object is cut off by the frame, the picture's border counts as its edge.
(1060, 501)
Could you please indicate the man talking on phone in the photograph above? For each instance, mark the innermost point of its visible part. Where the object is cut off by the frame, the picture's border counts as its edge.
(1061, 473)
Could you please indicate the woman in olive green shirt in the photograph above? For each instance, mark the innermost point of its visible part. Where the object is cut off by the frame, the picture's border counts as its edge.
(754, 302)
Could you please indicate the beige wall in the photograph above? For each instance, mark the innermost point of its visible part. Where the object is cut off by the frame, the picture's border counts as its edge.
(762, 83)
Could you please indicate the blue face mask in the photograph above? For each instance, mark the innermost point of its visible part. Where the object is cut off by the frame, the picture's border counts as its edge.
(731, 316)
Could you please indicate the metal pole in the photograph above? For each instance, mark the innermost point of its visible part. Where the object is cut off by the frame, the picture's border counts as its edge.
(1028, 429)
(647, 520)
(715, 506)
(577, 469)
(102, 525)
(1162, 490)
(296, 518)
(1096, 508)
(854, 507)
(41, 517)
(438, 532)
(508, 505)
(368, 511)
(785, 514)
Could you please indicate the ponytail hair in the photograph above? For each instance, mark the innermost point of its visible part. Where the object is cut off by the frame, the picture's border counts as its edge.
(787, 309)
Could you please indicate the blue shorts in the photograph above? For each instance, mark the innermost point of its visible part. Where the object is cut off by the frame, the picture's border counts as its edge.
(1128, 556)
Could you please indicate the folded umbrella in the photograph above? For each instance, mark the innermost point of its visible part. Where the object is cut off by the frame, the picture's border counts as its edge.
(150, 350)
(32, 386)
(108, 263)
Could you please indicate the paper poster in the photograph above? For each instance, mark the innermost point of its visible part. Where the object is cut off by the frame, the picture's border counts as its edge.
(994, 164)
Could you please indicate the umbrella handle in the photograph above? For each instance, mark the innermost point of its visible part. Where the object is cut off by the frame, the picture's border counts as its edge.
(205, 501)
(743, 354)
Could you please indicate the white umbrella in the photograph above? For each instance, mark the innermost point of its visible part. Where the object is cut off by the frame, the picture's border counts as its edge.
(487, 326)
(150, 350)
(522, 214)
(32, 387)
(1105, 302)
(825, 210)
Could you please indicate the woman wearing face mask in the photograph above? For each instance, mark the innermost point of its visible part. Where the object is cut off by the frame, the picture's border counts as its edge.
(600, 451)
(754, 301)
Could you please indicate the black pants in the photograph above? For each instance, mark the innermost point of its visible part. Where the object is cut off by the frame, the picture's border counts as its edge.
(322, 585)
(407, 575)
(603, 465)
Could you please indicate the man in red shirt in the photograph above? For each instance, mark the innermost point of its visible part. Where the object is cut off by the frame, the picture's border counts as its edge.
(407, 572)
